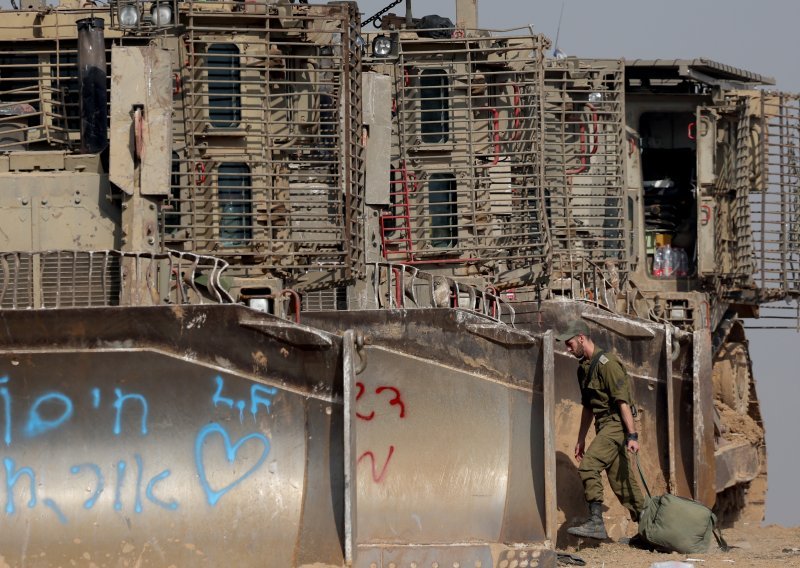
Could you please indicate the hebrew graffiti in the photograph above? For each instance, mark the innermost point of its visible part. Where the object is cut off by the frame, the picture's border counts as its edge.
(222, 459)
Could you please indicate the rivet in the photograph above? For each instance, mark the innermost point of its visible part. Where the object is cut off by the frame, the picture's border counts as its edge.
(44, 202)
(24, 200)
(151, 240)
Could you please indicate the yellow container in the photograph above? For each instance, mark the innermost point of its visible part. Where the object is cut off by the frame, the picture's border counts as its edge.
(663, 239)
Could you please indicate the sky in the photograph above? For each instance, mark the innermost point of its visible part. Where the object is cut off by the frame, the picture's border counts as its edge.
(759, 36)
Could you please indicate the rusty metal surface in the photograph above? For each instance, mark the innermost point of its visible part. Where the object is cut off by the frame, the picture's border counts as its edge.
(444, 334)
(427, 384)
(167, 436)
(736, 462)
(705, 488)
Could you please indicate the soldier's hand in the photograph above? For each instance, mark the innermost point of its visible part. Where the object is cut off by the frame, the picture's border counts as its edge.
(633, 446)
(580, 447)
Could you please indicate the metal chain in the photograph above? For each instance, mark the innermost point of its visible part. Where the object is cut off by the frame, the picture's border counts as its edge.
(381, 13)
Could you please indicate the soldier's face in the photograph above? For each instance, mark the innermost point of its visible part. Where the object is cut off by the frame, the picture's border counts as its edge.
(575, 346)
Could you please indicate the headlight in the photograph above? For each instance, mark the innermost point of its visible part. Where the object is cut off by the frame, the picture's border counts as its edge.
(129, 15)
(161, 14)
(381, 46)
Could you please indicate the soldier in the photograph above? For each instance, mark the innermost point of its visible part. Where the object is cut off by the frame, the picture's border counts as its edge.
(606, 395)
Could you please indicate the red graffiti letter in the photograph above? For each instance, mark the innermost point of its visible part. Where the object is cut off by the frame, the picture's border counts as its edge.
(377, 477)
(369, 416)
(396, 401)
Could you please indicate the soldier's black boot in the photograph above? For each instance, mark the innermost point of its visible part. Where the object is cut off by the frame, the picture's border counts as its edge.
(593, 527)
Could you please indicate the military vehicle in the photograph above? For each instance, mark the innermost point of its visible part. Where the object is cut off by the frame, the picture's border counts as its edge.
(278, 289)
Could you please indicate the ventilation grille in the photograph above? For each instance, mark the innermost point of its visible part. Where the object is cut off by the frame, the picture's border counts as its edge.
(88, 279)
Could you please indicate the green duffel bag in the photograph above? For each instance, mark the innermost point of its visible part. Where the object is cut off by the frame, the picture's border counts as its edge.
(677, 524)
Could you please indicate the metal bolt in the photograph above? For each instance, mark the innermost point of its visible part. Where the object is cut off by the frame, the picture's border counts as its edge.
(152, 207)
(24, 200)
(151, 240)
(44, 202)
(77, 200)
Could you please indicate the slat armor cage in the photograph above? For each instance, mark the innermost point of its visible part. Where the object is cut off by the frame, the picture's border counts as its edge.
(39, 86)
(465, 153)
(584, 141)
(268, 167)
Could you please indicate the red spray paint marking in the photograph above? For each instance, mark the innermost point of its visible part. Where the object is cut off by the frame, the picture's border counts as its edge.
(369, 416)
(396, 401)
(377, 477)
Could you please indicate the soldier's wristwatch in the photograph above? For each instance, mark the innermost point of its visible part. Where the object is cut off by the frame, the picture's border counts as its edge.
(632, 436)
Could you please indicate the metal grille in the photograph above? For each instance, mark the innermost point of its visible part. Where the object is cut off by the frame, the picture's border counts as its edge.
(581, 279)
(402, 286)
(325, 300)
(269, 170)
(777, 315)
(733, 238)
(85, 279)
(17, 281)
(39, 91)
(583, 170)
(78, 279)
(776, 206)
(465, 179)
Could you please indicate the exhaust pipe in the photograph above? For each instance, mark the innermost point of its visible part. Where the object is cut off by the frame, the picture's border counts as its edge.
(92, 80)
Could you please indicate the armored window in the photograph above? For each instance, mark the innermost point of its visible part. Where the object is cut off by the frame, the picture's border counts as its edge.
(434, 105)
(442, 207)
(224, 85)
(235, 204)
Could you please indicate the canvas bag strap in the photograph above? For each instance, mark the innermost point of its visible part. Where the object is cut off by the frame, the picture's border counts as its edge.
(641, 474)
(593, 365)
(718, 534)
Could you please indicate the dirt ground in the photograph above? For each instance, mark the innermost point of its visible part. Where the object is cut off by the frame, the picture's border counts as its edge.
(759, 547)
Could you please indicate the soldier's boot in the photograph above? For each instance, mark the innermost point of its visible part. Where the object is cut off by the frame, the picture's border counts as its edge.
(593, 527)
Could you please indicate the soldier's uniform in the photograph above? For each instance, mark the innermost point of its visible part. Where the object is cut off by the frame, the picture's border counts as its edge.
(602, 392)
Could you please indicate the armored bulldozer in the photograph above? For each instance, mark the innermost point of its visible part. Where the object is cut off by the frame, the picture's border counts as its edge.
(277, 289)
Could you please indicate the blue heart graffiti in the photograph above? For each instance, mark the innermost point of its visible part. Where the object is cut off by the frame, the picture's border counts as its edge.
(230, 453)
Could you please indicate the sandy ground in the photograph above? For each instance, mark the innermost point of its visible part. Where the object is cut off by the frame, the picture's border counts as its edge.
(759, 547)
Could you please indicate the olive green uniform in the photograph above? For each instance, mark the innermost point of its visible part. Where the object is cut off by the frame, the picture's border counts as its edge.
(601, 393)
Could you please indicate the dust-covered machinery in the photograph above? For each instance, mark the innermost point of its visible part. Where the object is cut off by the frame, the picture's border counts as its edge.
(277, 288)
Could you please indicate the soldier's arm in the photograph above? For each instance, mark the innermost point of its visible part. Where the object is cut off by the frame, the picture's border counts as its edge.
(586, 421)
(631, 436)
